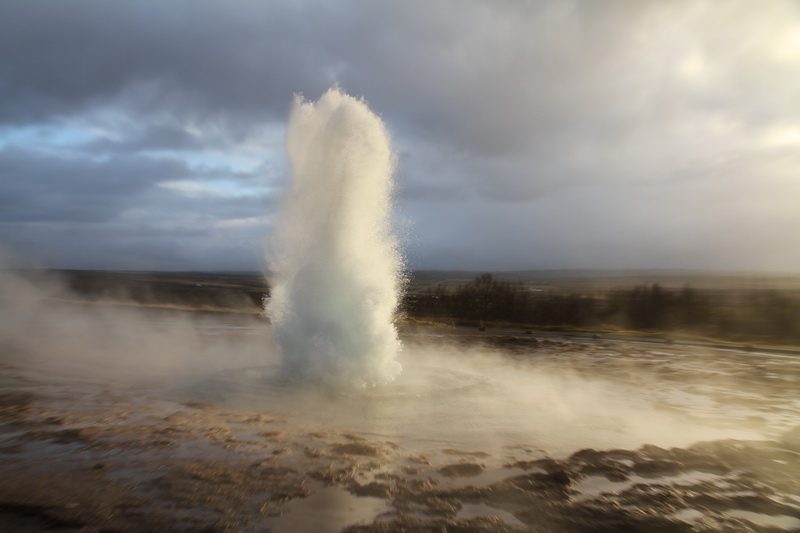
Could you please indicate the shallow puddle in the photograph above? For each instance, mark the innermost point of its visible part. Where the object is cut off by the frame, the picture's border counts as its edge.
(688, 515)
(780, 521)
(474, 510)
(327, 510)
(594, 486)
(482, 479)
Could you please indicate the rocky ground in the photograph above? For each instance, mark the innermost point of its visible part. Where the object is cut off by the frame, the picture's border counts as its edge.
(78, 453)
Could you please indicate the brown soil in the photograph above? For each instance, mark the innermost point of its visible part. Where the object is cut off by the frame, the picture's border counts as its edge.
(84, 459)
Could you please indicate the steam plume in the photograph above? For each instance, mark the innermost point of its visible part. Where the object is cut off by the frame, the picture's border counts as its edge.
(335, 261)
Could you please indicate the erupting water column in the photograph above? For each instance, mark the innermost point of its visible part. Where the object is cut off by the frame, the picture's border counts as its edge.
(334, 261)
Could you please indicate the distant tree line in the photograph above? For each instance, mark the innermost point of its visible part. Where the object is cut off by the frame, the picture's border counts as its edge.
(742, 315)
(190, 290)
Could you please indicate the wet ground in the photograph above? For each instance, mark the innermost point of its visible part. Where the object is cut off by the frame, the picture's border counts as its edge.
(486, 433)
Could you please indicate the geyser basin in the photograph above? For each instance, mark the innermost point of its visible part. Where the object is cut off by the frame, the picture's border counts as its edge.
(555, 434)
(334, 262)
(556, 399)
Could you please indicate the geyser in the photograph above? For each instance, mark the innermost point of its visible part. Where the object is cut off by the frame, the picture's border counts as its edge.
(335, 263)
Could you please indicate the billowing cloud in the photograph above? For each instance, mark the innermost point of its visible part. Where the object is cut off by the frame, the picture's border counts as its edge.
(549, 133)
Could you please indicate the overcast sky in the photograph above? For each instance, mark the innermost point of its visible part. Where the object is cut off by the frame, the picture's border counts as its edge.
(148, 134)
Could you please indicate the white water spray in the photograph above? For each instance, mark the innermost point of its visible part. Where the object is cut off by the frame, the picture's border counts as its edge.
(335, 262)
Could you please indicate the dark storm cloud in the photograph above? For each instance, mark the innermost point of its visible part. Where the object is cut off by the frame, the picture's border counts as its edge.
(49, 188)
(155, 229)
(237, 63)
(493, 77)
(531, 132)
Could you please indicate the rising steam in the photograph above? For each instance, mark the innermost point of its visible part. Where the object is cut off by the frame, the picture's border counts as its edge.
(335, 262)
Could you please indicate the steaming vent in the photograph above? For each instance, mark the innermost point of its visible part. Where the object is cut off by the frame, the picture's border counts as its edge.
(335, 262)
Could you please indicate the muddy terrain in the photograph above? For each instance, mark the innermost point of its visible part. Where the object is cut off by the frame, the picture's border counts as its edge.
(89, 450)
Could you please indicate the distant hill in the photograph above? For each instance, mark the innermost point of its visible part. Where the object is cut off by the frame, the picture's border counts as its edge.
(625, 277)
